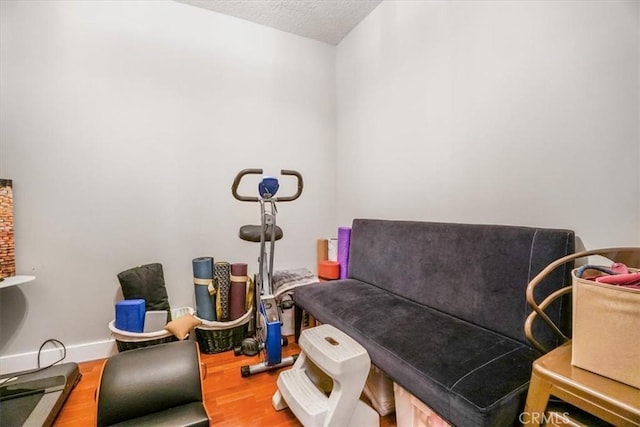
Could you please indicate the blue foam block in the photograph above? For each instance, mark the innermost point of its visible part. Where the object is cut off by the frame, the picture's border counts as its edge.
(130, 315)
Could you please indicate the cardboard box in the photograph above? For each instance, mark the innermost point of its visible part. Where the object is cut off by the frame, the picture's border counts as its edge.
(606, 332)
(411, 412)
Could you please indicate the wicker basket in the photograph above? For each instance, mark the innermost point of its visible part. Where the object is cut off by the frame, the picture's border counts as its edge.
(130, 340)
(216, 337)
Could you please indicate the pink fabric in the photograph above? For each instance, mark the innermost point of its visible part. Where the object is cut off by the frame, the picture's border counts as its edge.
(619, 268)
(631, 280)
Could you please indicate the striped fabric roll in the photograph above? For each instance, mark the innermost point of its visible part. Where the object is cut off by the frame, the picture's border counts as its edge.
(223, 277)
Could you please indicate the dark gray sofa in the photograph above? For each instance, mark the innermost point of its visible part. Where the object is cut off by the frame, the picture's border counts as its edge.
(441, 309)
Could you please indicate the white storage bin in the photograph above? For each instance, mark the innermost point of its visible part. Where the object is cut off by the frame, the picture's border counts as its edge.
(288, 322)
(379, 390)
(126, 340)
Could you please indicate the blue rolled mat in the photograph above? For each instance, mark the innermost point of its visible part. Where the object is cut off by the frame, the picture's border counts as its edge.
(204, 288)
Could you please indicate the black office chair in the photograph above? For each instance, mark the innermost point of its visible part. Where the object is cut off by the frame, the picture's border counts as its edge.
(152, 386)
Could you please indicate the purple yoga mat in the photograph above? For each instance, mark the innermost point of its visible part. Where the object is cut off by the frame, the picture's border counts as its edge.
(344, 240)
(238, 295)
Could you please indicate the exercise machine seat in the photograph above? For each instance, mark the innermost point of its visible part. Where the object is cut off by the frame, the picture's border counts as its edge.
(251, 233)
(155, 386)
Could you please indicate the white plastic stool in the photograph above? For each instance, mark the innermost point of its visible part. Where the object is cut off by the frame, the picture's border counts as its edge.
(330, 361)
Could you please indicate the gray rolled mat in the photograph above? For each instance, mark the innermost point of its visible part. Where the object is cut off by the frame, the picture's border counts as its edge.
(223, 276)
(204, 288)
(238, 290)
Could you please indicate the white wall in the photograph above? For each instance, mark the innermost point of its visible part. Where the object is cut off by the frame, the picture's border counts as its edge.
(520, 112)
(123, 125)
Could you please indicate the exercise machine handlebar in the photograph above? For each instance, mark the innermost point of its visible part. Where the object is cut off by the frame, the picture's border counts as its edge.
(236, 183)
(300, 185)
(244, 172)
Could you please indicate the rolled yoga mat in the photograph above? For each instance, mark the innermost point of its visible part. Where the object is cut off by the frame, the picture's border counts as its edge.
(238, 294)
(332, 249)
(344, 241)
(323, 250)
(204, 288)
(223, 276)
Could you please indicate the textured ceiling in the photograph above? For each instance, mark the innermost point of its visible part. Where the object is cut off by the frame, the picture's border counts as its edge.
(325, 20)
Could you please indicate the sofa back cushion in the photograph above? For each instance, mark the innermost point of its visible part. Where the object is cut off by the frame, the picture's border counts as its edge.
(477, 273)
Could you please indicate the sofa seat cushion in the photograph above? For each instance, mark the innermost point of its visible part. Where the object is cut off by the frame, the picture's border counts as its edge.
(469, 375)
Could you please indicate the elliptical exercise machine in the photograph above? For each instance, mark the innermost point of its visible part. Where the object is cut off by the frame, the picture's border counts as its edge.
(268, 328)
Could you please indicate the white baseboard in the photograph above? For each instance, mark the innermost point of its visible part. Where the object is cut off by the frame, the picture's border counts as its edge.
(53, 352)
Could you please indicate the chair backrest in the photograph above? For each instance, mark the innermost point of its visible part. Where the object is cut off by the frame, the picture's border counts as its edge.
(139, 382)
(629, 256)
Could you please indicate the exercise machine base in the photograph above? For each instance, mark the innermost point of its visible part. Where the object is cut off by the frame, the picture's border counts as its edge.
(36, 397)
(248, 370)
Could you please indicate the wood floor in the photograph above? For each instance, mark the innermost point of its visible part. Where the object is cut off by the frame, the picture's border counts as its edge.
(230, 400)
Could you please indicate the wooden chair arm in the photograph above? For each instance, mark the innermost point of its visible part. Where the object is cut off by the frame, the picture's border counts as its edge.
(627, 255)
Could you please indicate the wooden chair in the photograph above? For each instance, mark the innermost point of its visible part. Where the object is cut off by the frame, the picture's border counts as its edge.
(553, 374)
